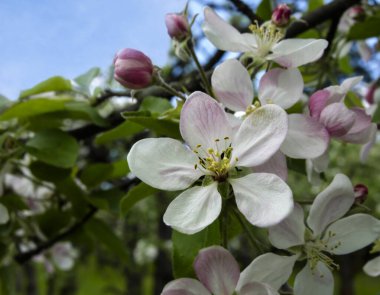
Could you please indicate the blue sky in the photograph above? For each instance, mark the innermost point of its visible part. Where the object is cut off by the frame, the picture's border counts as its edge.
(43, 38)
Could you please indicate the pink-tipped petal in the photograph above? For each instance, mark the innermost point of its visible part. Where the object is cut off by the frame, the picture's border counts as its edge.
(217, 269)
(263, 198)
(194, 209)
(163, 163)
(289, 232)
(331, 204)
(268, 268)
(232, 85)
(260, 136)
(282, 87)
(203, 120)
(185, 286)
(276, 165)
(306, 138)
(318, 101)
(352, 233)
(222, 35)
(337, 119)
(292, 53)
(361, 130)
(319, 281)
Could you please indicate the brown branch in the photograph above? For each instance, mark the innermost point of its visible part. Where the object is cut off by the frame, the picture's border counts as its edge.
(26, 256)
(318, 16)
(247, 11)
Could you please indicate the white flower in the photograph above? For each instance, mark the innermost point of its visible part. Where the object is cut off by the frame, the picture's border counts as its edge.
(219, 274)
(164, 163)
(327, 235)
(264, 43)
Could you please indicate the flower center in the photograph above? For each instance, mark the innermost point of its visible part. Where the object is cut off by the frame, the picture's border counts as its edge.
(216, 160)
(250, 109)
(267, 36)
(315, 252)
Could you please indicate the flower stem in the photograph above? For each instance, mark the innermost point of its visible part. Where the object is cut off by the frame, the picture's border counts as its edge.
(223, 221)
(255, 243)
(161, 82)
(200, 69)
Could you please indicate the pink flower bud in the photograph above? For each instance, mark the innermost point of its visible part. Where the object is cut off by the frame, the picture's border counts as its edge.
(133, 69)
(357, 13)
(361, 192)
(281, 15)
(177, 26)
(369, 97)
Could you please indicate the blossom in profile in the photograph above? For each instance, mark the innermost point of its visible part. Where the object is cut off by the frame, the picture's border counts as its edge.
(264, 43)
(215, 152)
(219, 274)
(326, 233)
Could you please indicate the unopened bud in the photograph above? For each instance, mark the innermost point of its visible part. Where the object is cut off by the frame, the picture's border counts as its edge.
(281, 15)
(361, 192)
(357, 13)
(177, 26)
(133, 69)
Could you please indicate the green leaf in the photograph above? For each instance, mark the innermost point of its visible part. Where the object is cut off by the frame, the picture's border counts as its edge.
(264, 10)
(370, 27)
(34, 107)
(54, 147)
(376, 115)
(48, 172)
(123, 131)
(134, 195)
(159, 126)
(297, 165)
(14, 202)
(352, 100)
(314, 4)
(155, 105)
(56, 83)
(53, 221)
(103, 234)
(94, 174)
(107, 199)
(186, 248)
(85, 79)
(345, 65)
(8, 280)
(86, 112)
(74, 194)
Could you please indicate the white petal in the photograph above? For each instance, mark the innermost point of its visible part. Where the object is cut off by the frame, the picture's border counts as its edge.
(321, 163)
(217, 269)
(349, 83)
(185, 286)
(372, 267)
(320, 281)
(332, 203)
(289, 232)
(292, 53)
(232, 85)
(260, 135)
(203, 120)
(4, 215)
(268, 268)
(306, 138)
(283, 87)
(368, 146)
(163, 163)
(352, 233)
(263, 198)
(194, 209)
(222, 34)
(276, 165)
(256, 288)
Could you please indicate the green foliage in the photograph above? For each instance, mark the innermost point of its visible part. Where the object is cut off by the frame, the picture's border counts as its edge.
(123, 131)
(54, 147)
(52, 84)
(186, 248)
(264, 10)
(314, 4)
(370, 27)
(134, 195)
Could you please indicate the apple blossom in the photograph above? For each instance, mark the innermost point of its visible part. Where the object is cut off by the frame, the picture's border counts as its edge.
(177, 25)
(325, 234)
(284, 87)
(218, 274)
(263, 44)
(215, 150)
(133, 69)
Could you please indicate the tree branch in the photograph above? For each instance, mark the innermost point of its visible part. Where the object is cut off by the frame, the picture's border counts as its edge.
(247, 11)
